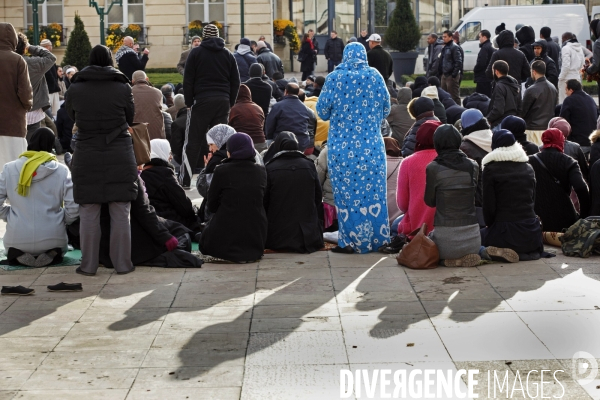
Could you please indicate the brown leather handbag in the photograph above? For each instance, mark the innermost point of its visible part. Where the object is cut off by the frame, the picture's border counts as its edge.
(421, 252)
(141, 142)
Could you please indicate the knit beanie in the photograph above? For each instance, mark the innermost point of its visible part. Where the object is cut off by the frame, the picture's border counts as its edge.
(196, 37)
(470, 117)
(245, 41)
(422, 105)
(179, 102)
(260, 44)
(553, 138)
(502, 138)
(561, 124)
(500, 28)
(424, 136)
(240, 146)
(515, 125)
(209, 31)
(255, 71)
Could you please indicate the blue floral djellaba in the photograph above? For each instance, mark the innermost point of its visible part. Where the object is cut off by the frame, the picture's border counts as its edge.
(355, 100)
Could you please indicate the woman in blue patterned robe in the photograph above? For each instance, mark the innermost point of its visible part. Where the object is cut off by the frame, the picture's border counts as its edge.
(355, 100)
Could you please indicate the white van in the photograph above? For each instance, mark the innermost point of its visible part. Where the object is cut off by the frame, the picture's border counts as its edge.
(560, 18)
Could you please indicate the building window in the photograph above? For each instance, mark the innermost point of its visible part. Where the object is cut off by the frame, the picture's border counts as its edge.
(49, 12)
(131, 12)
(206, 10)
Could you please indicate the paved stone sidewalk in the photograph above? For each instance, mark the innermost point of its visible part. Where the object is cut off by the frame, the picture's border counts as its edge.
(283, 328)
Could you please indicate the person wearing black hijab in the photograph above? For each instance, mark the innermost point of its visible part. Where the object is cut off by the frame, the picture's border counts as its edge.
(451, 182)
(238, 229)
(104, 167)
(282, 142)
(39, 191)
(293, 199)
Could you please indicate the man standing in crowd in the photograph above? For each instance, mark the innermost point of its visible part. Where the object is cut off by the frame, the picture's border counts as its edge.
(244, 58)
(262, 39)
(211, 82)
(518, 66)
(539, 50)
(506, 97)
(434, 48)
(17, 95)
(291, 115)
(52, 82)
(364, 39)
(581, 112)
(184, 55)
(539, 102)
(39, 62)
(552, 47)
(572, 59)
(268, 59)
(380, 59)
(128, 60)
(482, 81)
(148, 105)
(450, 66)
(334, 51)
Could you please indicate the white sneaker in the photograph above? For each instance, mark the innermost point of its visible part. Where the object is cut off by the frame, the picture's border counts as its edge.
(331, 237)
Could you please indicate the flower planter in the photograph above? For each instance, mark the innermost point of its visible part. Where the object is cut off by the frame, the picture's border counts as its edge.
(404, 63)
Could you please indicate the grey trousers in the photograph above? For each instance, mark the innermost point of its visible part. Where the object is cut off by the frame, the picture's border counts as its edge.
(120, 236)
(452, 86)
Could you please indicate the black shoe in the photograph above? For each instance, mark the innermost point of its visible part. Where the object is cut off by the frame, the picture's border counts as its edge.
(126, 272)
(68, 159)
(395, 246)
(17, 291)
(65, 287)
(82, 272)
(343, 250)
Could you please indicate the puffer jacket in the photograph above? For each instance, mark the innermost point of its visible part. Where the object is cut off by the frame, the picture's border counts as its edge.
(518, 66)
(271, 62)
(421, 110)
(572, 61)
(38, 64)
(323, 173)
(551, 69)
(334, 49)
(244, 57)
(538, 104)
(452, 193)
(526, 37)
(451, 61)
(505, 101)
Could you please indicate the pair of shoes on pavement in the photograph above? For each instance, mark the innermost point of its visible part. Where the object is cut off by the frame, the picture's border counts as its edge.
(16, 291)
(23, 291)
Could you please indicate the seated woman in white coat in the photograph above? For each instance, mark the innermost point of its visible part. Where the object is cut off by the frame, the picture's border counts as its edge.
(39, 191)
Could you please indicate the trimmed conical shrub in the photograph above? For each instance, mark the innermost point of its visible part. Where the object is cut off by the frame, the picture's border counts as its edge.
(79, 47)
(403, 33)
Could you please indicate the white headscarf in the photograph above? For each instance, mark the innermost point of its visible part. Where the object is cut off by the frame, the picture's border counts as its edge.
(219, 134)
(160, 148)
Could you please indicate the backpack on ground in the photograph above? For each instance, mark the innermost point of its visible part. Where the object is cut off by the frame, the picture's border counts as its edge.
(581, 238)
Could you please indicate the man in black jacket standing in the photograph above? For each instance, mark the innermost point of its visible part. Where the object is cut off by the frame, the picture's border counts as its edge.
(552, 47)
(334, 51)
(539, 49)
(128, 60)
(483, 82)
(450, 67)
(210, 85)
(506, 97)
(379, 58)
(581, 112)
(518, 66)
(364, 39)
(434, 48)
(539, 102)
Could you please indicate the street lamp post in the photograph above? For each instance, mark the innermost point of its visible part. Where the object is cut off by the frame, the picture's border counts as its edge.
(100, 11)
(36, 25)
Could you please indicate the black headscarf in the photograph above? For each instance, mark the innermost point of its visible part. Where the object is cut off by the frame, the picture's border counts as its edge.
(41, 140)
(101, 56)
(284, 141)
(447, 140)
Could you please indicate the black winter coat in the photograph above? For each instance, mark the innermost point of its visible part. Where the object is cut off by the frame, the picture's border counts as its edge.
(148, 231)
(64, 126)
(130, 62)
(552, 200)
(210, 71)
(478, 101)
(382, 61)
(580, 110)
(483, 59)
(308, 62)
(104, 167)
(166, 194)
(553, 51)
(451, 61)
(52, 80)
(260, 92)
(238, 230)
(476, 154)
(334, 49)
(574, 151)
(505, 101)
(410, 140)
(293, 202)
(244, 61)
(178, 134)
(538, 104)
(518, 66)
(270, 60)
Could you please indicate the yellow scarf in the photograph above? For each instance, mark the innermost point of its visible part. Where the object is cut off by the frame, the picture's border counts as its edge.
(36, 158)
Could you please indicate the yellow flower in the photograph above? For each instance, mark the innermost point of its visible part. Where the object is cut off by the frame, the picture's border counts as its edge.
(135, 27)
(195, 24)
(115, 26)
(57, 43)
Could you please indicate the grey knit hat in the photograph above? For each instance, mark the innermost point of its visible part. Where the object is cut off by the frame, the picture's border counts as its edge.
(196, 37)
(209, 31)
